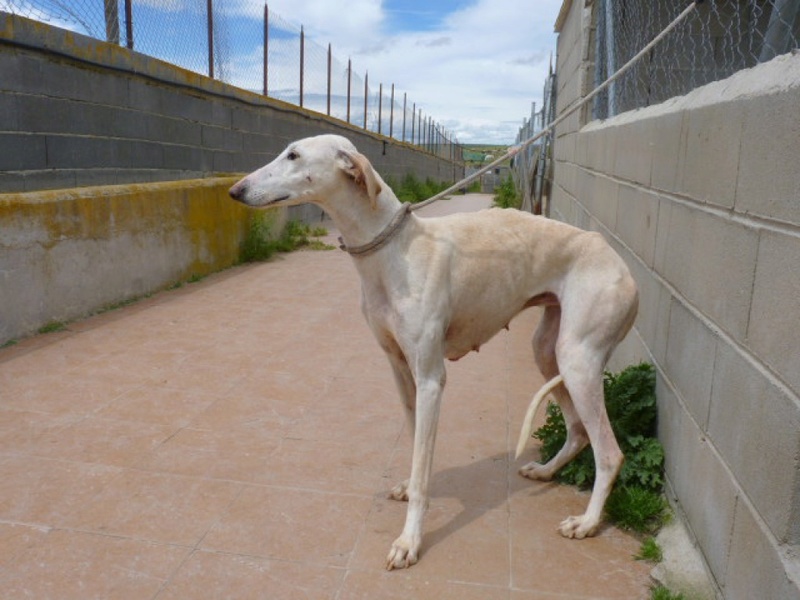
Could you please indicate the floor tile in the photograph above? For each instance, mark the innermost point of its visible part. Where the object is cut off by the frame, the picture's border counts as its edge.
(213, 576)
(81, 566)
(294, 525)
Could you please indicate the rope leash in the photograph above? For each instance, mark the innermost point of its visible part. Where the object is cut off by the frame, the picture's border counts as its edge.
(558, 120)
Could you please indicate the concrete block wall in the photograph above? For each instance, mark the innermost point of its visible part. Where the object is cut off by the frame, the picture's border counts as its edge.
(701, 197)
(67, 253)
(100, 154)
(75, 111)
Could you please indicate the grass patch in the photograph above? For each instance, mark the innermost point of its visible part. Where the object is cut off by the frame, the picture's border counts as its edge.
(52, 327)
(506, 196)
(261, 243)
(411, 189)
(659, 592)
(637, 509)
(9, 343)
(636, 502)
(650, 551)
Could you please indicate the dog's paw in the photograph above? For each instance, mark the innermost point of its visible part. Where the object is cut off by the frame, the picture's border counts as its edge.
(534, 470)
(577, 527)
(404, 553)
(400, 492)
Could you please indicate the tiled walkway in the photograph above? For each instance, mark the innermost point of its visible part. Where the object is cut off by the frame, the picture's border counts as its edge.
(236, 438)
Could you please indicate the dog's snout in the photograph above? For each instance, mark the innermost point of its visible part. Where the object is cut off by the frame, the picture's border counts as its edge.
(238, 190)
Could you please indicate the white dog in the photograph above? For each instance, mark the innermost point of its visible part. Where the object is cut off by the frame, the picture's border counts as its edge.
(436, 288)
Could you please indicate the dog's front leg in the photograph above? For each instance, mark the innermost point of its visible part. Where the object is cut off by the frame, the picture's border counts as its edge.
(430, 384)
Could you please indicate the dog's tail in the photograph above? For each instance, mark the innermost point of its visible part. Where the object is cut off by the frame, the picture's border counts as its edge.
(527, 423)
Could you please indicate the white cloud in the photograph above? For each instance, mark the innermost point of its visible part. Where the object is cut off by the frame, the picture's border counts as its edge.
(483, 79)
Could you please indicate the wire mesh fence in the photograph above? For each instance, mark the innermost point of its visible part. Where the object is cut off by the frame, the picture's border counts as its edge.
(248, 46)
(720, 38)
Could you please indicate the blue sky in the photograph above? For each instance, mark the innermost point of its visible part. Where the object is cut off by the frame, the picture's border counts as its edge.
(475, 66)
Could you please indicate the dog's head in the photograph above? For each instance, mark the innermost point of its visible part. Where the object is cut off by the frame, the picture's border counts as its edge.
(314, 169)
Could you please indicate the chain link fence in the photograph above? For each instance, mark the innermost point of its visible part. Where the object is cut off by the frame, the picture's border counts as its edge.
(246, 45)
(720, 38)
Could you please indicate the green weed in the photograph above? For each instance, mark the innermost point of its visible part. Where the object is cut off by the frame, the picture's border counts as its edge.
(659, 592)
(411, 189)
(650, 551)
(52, 327)
(636, 502)
(506, 196)
(261, 244)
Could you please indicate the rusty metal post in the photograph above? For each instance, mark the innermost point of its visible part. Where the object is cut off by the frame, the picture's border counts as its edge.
(129, 24)
(266, 49)
(210, 26)
(302, 61)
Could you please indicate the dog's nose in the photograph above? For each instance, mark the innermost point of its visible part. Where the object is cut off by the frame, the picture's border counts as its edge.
(238, 190)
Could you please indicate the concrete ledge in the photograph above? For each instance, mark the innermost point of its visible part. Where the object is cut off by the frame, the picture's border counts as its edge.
(67, 253)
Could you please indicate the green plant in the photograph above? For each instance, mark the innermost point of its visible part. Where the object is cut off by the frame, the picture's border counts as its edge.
(650, 551)
(9, 343)
(261, 243)
(638, 509)
(506, 196)
(631, 405)
(636, 502)
(52, 327)
(411, 189)
(659, 592)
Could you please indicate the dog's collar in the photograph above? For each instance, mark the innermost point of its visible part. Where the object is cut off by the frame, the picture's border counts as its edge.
(383, 237)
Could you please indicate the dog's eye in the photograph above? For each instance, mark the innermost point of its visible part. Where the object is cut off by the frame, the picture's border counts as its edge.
(292, 155)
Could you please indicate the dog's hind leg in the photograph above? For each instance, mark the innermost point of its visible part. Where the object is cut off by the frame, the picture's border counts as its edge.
(544, 351)
(583, 376)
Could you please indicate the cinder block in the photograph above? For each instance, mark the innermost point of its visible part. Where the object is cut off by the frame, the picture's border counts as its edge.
(636, 220)
(8, 111)
(603, 200)
(713, 142)
(173, 131)
(667, 133)
(707, 495)
(22, 152)
(652, 321)
(634, 151)
(689, 363)
(711, 260)
(757, 567)
(769, 182)
(774, 327)
(752, 421)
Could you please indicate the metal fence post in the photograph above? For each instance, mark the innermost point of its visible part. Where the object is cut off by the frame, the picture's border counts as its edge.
(404, 115)
(329, 80)
(366, 94)
(413, 121)
(380, 106)
(302, 61)
(210, 27)
(129, 23)
(349, 82)
(391, 114)
(266, 49)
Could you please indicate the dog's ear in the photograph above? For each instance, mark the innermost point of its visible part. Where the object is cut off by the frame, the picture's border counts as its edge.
(357, 167)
